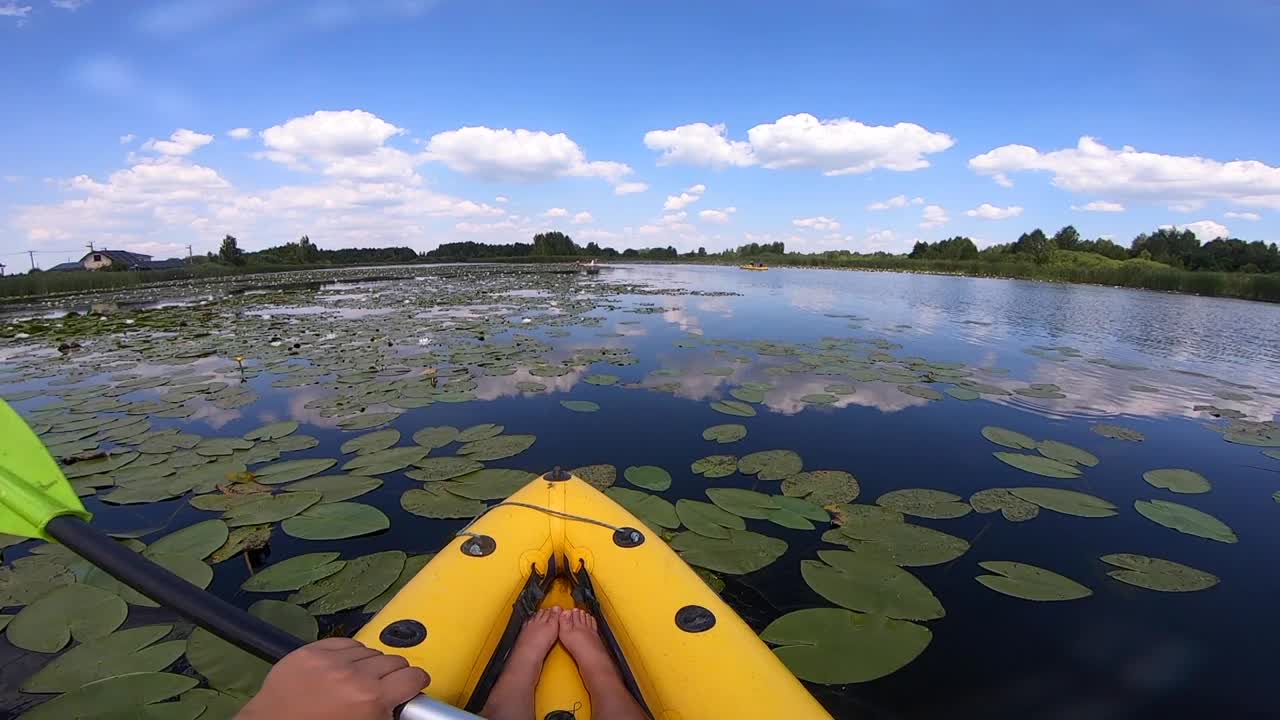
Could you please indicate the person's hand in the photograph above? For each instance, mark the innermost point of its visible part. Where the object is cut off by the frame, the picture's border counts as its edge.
(335, 679)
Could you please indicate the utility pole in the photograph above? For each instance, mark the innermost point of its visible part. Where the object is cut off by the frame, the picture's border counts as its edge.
(89, 245)
(32, 255)
(188, 254)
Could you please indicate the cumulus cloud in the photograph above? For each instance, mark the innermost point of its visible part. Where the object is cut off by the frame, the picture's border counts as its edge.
(348, 144)
(1091, 167)
(181, 142)
(240, 133)
(501, 199)
(821, 223)
(719, 216)
(582, 218)
(987, 211)
(1103, 206)
(840, 146)
(934, 216)
(14, 10)
(71, 5)
(1205, 230)
(1251, 216)
(684, 199)
(519, 155)
(897, 201)
(556, 212)
(627, 188)
(127, 138)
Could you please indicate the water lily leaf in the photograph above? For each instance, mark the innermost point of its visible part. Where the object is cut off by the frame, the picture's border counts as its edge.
(497, 448)
(443, 468)
(584, 406)
(743, 503)
(713, 581)
(1067, 454)
(597, 476)
(1012, 507)
(335, 521)
(840, 389)
(371, 442)
(528, 386)
(367, 420)
(1029, 582)
(740, 553)
(290, 470)
(921, 391)
(824, 487)
(898, 542)
(436, 436)
(412, 566)
(270, 508)
(771, 464)
(1038, 465)
(649, 477)
(1117, 432)
(865, 582)
(250, 537)
(707, 519)
(490, 483)
(1008, 438)
(156, 489)
(736, 408)
(191, 569)
(229, 668)
(1177, 480)
(1044, 391)
(434, 501)
(482, 431)
(925, 503)
(601, 379)
(80, 611)
(962, 393)
(103, 465)
(831, 646)
(294, 572)
(336, 488)
(818, 399)
(1156, 574)
(722, 434)
(196, 540)
(385, 461)
(715, 466)
(1185, 520)
(1067, 502)
(360, 581)
(120, 653)
(272, 431)
(123, 696)
(650, 509)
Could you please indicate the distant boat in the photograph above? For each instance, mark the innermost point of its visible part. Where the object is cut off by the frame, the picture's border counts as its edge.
(754, 266)
(591, 268)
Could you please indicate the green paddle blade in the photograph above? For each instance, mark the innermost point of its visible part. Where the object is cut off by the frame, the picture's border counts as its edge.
(33, 490)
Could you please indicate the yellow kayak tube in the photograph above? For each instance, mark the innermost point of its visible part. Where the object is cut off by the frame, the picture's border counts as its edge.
(753, 267)
(684, 653)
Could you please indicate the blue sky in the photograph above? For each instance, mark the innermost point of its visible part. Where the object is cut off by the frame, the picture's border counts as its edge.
(860, 125)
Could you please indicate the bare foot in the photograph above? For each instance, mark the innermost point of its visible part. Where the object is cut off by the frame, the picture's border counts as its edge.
(580, 635)
(537, 637)
(512, 695)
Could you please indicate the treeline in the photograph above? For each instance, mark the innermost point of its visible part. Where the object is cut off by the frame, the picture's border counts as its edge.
(305, 252)
(1179, 249)
(554, 244)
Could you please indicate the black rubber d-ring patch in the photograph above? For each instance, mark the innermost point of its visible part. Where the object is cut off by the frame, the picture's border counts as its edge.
(403, 634)
(695, 619)
(479, 546)
(627, 537)
(559, 715)
(557, 475)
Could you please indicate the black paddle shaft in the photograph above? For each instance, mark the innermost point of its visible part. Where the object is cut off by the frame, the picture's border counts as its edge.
(219, 617)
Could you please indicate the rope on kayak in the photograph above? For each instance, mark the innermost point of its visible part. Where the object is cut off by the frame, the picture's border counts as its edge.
(465, 532)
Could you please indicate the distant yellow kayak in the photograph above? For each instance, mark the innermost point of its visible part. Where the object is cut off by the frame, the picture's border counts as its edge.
(558, 541)
(754, 267)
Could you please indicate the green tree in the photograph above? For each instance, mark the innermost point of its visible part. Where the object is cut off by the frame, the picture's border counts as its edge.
(1068, 238)
(1034, 245)
(305, 251)
(230, 252)
(702, 252)
(553, 243)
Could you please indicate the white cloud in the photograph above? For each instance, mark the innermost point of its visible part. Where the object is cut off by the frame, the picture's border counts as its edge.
(240, 133)
(556, 212)
(841, 146)
(72, 5)
(1187, 206)
(13, 9)
(1251, 216)
(628, 188)
(684, 199)
(934, 216)
(521, 155)
(1002, 180)
(719, 216)
(987, 211)
(820, 223)
(501, 199)
(897, 201)
(181, 142)
(127, 138)
(326, 135)
(582, 218)
(1091, 167)
(1103, 206)
(1205, 230)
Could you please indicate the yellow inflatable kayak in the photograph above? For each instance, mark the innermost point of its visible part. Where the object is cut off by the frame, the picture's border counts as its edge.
(754, 267)
(558, 541)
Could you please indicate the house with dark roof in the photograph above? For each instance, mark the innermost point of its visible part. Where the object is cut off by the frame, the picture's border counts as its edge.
(66, 267)
(115, 260)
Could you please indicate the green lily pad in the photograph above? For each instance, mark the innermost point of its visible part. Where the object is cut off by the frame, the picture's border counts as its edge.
(360, 581)
(385, 461)
(1030, 582)
(528, 386)
(722, 434)
(713, 581)
(1185, 520)
(1156, 574)
(270, 508)
(748, 394)
(650, 509)
(962, 393)
(1067, 502)
(482, 431)
(443, 468)
(412, 566)
(740, 553)
(1177, 480)
(583, 406)
(715, 466)
(241, 539)
(822, 487)
(229, 668)
(497, 448)
(80, 611)
(371, 442)
(198, 540)
(290, 470)
(367, 420)
(840, 389)
(97, 466)
(898, 542)
(336, 488)
(490, 483)
(436, 436)
(191, 569)
(818, 399)
(120, 653)
(1038, 465)
(601, 379)
(771, 464)
(215, 447)
(335, 521)
(597, 476)
(707, 519)
(864, 582)
(649, 477)
(1008, 438)
(1012, 507)
(1067, 454)
(1117, 432)
(921, 391)
(1043, 391)
(294, 572)
(831, 646)
(733, 407)
(925, 503)
(273, 431)
(743, 503)
(434, 501)
(123, 696)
